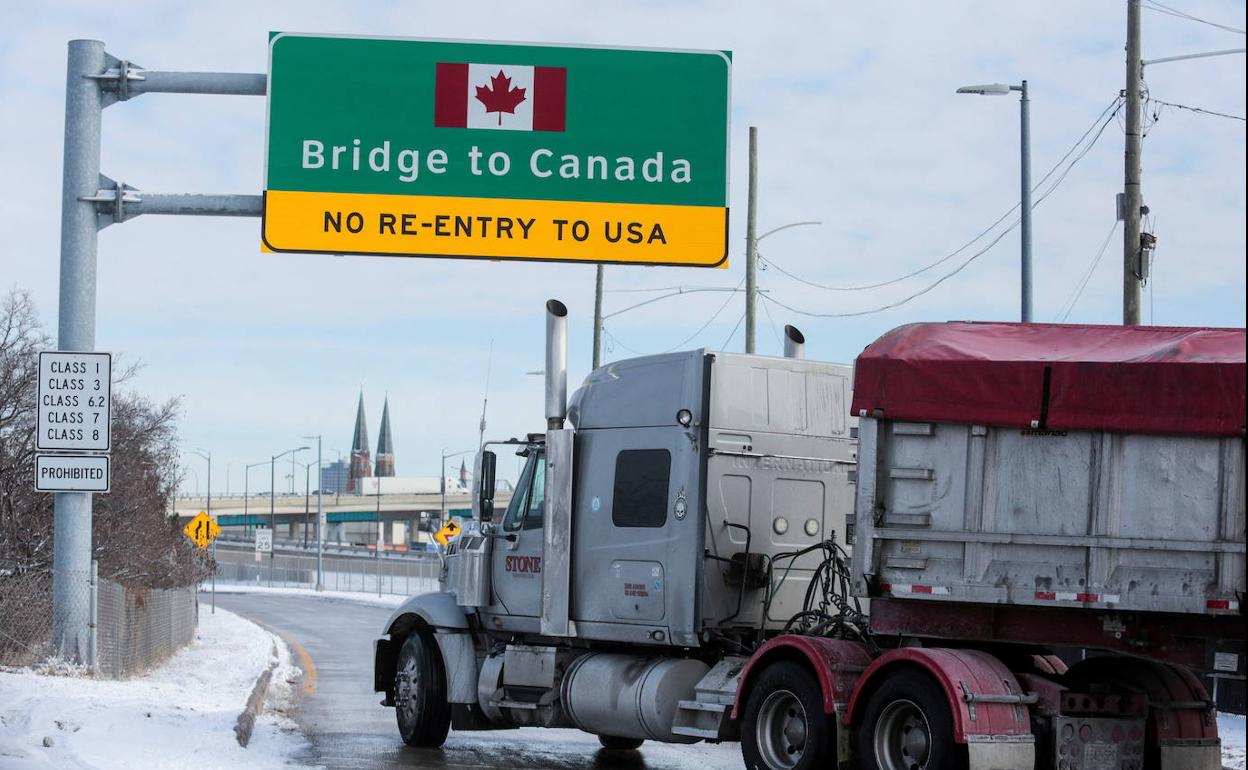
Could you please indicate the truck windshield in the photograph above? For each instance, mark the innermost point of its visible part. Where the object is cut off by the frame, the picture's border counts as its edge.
(527, 504)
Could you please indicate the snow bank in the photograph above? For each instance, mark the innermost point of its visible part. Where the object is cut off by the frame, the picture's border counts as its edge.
(386, 600)
(180, 715)
(1231, 731)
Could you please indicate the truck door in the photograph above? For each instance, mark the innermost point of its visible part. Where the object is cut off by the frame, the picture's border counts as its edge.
(638, 537)
(517, 565)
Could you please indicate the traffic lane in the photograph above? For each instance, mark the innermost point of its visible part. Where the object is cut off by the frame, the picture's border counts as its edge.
(347, 728)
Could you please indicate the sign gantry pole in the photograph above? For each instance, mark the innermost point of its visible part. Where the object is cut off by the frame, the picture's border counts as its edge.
(71, 553)
(89, 202)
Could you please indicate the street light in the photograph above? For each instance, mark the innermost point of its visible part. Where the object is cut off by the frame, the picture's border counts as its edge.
(320, 515)
(204, 453)
(1002, 89)
(751, 262)
(272, 498)
(442, 478)
(247, 496)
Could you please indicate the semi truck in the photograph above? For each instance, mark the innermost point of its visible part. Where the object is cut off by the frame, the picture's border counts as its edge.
(984, 546)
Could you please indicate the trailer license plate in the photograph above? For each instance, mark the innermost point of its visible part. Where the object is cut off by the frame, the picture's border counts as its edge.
(1100, 756)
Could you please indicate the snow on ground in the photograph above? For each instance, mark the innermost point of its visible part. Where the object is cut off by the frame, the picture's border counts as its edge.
(385, 600)
(179, 715)
(1231, 731)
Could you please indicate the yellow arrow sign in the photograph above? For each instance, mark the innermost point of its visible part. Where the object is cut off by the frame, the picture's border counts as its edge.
(448, 531)
(202, 530)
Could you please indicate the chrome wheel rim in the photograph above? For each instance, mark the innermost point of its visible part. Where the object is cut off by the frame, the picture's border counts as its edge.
(781, 730)
(903, 739)
(405, 684)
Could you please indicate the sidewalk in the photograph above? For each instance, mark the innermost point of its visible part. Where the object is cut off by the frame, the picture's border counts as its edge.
(180, 715)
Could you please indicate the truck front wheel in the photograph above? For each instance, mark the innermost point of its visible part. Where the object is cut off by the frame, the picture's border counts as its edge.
(420, 704)
(907, 725)
(784, 727)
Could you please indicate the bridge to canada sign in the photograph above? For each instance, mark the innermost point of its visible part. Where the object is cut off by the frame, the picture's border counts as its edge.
(497, 151)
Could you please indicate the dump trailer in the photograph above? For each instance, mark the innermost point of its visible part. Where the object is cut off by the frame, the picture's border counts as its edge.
(984, 546)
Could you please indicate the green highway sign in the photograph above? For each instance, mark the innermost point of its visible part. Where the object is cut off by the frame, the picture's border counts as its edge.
(496, 150)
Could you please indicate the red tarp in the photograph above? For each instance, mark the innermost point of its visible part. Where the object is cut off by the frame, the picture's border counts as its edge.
(1142, 379)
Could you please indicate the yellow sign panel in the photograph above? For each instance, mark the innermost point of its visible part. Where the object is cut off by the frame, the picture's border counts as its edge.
(202, 530)
(495, 228)
(449, 530)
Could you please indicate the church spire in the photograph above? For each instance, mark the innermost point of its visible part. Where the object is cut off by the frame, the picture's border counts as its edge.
(360, 465)
(385, 444)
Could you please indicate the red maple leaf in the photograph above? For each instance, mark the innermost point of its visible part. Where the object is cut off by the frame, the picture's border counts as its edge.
(500, 97)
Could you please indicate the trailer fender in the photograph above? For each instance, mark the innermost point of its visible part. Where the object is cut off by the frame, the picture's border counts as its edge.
(438, 613)
(1181, 730)
(984, 696)
(837, 663)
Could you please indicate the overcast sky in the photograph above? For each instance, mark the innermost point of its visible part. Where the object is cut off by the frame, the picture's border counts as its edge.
(860, 129)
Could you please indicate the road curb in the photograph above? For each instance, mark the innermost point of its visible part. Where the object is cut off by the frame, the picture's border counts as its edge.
(247, 720)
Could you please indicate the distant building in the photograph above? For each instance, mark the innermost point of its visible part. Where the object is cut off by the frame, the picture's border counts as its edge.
(361, 465)
(334, 477)
(385, 445)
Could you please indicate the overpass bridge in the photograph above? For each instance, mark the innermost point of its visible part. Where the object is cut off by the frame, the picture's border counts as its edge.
(349, 518)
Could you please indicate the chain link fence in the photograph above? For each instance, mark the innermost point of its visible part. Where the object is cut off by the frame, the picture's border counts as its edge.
(129, 630)
(139, 628)
(405, 577)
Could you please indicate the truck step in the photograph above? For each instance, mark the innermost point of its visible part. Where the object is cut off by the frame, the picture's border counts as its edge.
(694, 705)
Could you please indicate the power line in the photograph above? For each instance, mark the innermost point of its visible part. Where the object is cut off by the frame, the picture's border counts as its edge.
(709, 321)
(901, 302)
(679, 291)
(1196, 109)
(1157, 7)
(1064, 312)
(1113, 105)
(774, 327)
(1056, 183)
(733, 333)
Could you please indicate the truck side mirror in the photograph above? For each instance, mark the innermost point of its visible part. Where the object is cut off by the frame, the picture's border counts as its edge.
(485, 485)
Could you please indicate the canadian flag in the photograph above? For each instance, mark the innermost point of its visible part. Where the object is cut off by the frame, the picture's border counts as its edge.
(510, 97)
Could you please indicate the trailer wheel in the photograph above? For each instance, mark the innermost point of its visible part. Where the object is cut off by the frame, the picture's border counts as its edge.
(420, 704)
(907, 725)
(616, 743)
(784, 727)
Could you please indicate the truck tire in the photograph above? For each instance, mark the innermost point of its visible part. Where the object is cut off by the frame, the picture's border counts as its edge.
(907, 725)
(615, 743)
(784, 727)
(420, 704)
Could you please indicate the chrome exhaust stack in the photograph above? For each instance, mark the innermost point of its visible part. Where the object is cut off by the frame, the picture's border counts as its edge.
(794, 342)
(556, 364)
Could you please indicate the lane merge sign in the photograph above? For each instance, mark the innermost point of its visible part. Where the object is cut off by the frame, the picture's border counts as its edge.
(75, 402)
(407, 147)
(202, 530)
(71, 473)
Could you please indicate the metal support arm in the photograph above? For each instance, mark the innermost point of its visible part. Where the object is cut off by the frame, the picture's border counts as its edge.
(123, 80)
(116, 202)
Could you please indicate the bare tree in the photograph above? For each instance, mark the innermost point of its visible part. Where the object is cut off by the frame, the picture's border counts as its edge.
(134, 538)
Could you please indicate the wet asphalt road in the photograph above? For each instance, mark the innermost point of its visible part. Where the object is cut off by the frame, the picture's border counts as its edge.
(347, 728)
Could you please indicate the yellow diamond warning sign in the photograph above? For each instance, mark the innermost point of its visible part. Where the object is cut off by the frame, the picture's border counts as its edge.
(202, 530)
(449, 530)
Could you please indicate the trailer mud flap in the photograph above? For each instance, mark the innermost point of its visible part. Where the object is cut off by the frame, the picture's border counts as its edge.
(1191, 756)
(1001, 752)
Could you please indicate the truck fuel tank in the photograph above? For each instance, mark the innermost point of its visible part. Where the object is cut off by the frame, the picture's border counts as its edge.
(630, 696)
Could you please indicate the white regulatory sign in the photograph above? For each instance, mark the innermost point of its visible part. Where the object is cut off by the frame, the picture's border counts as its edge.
(75, 401)
(264, 541)
(71, 473)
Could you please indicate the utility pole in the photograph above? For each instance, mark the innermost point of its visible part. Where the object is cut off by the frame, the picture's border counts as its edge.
(320, 517)
(598, 316)
(1024, 106)
(751, 243)
(1132, 199)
